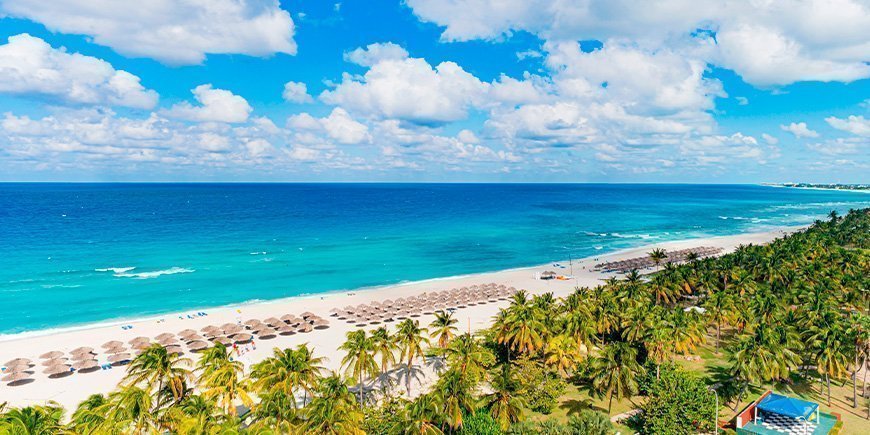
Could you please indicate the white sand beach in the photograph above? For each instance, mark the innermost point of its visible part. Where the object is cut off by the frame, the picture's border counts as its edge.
(71, 389)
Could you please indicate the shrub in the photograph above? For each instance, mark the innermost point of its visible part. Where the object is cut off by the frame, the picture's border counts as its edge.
(480, 423)
(541, 387)
(678, 403)
(590, 422)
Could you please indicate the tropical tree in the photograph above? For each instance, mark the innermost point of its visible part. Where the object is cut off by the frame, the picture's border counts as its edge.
(718, 308)
(156, 368)
(332, 410)
(384, 346)
(468, 356)
(614, 372)
(505, 402)
(419, 417)
(523, 329)
(442, 328)
(359, 360)
(562, 354)
(453, 397)
(32, 420)
(287, 371)
(222, 379)
(657, 256)
(410, 338)
(89, 415)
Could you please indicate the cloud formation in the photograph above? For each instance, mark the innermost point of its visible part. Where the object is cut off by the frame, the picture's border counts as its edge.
(176, 32)
(30, 65)
(215, 105)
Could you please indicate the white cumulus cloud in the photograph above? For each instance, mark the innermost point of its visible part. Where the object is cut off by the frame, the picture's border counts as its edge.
(215, 105)
(857, 125)
(339, 126)
(30, 65)
(296, 92)
(172, 31)
(799, 130)
(374, 53)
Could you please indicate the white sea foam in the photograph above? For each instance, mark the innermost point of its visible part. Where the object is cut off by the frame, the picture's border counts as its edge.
(258, 253)
(61, 285)
(634, 236)
(115, 269)
(155, 273)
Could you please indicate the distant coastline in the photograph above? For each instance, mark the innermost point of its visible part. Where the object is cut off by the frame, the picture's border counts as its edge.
(819, 186)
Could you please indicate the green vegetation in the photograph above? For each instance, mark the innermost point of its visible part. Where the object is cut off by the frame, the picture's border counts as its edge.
(790, 316)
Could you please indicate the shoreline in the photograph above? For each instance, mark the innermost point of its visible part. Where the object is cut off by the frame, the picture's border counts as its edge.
(120, 321)
(70, 390)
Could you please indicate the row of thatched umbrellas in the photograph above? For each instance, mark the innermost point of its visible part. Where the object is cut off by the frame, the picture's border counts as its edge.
(646, 261)
(84, 359)
(424, 303)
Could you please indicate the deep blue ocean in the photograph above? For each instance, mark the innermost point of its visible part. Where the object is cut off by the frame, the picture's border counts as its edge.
(83, 253)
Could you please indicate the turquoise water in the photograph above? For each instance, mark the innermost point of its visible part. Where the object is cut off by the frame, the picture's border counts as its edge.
(83, 253)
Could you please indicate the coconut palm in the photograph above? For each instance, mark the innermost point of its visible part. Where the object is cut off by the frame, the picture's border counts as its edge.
(614, 372)
(419, 417)
(288, 370)
(505, 402)
(276, 411)
(88, 416)
(562, 354)
(523, 329)
(719, 307)
(155, 368)
(385, 348)
(130, 409)
(359, 360)
(453, 397)
(657, 256)
(442, 328)
(832, 353)
(468, 356)
(222, 379)
(332, 410)
(32, 420)
(410, 338)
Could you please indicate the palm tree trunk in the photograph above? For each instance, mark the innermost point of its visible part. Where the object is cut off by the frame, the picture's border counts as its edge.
(740, 396)
(658, 366)
(855, 384)
(408, 376)
(718, 334)
(360, 386)
(610, 404)
(828, 382)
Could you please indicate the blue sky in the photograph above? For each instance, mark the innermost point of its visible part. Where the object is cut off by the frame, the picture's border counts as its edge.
(426, 90)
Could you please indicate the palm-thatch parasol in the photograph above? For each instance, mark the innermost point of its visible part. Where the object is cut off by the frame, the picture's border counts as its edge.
(86, 364)
(223, 340)
(273, 321)
(52, 354)
(164, 336)
(17, 361)
(305, 327)
(241, 338)
(141, 345)
(320, 324)
(139, 340)
(82, 356)
(17, 368)
(174, 349)
(253, 322)
(111, 344)
(83, 349)
(57, 369)
(15, 377)
(119, 357)
(209, 328)
(307, 314)
(197, 345)
(114, 350)
(166, 341)
(54, 361)
(186, 333)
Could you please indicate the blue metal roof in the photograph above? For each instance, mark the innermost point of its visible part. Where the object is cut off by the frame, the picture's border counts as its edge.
(788, 406)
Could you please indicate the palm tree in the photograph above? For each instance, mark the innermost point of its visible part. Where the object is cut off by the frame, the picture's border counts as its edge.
(614, 372)
(155, 368)
(410, 338)
(419, 417)
(467, 355)
(332, 410)
(562, 354)
(453, 396)
(130, 409)
(505, 403)
(222, 379)
(33, 420)
(200, 415)
(276, 411)
(718, 307)
(359, 361)
(384, 346)
(88, 416)
(523, 329)
(288, 370)
(657, 256)
(832, 354)
(442, 328)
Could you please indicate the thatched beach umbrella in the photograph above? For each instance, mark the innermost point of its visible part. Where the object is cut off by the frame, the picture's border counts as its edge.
(17, 361)
(226, 326)
(82, 356)
(197, 345)
(86, 364)
(141, 345)
(111, 344)
(273, 321)
(83, 349)
(54, 361)
(186, 333)
(305, 327)
(167, 341)
(17, 368)
(164, 336)
(15, 377)
(119, 357)
(267, 332)
(223, 340)
(57, 369)
(174, 349)
(289, 318)
(52, 354)
(139, 340)
(241, 338)
(287, 330)
(114, 350)
(320, 324)
(210, 328)
(252, 322)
